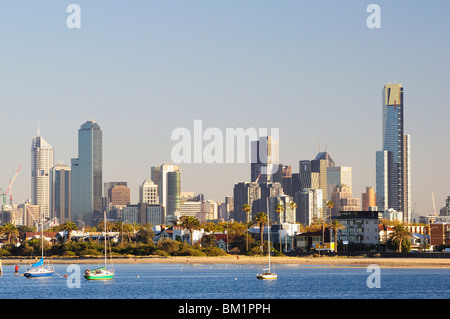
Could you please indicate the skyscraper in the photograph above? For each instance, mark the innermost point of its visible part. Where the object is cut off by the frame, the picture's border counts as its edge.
(42, 156)
(313, 174)
(169, 190)
(393, 162)
(60, 178)
(245, 193)
(309, 205)
(368, 199)
(265, 165)
(87, 175)
(339, 175)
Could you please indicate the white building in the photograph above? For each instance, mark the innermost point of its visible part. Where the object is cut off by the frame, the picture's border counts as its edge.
(42, 158)
(190, 208)
(392, 214)
(360, 227)
(148, 193)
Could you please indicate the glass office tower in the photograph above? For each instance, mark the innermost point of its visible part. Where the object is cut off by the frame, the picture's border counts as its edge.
(87, 175)
(393, 163)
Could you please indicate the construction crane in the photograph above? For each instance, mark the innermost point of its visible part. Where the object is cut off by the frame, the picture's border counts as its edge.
(11, 182)
(9, 187)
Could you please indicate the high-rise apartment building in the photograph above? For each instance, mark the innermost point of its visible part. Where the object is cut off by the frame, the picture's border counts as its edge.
(60, 191)
(393, 162)
(87, 175)
(245, 193)
(309, 205)
(42, 158)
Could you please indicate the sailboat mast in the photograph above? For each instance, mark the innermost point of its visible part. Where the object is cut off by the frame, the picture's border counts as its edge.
(42, 233)
(105, 235)
(268, 230)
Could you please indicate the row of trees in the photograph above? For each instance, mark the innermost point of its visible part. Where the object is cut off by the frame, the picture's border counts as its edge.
(237, 232)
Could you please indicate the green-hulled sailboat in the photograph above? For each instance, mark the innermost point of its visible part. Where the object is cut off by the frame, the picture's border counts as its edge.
(101, 273)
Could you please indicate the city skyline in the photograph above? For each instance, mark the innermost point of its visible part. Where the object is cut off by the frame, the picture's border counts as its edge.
(315, 71)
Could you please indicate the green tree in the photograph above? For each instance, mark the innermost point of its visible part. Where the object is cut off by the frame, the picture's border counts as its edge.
(261, 220)
(247, 209)
(145, 235)
(279, 209)
(191, 223)
(330, 205)
(69, 227)
(335, 226)
(10, 231)
(400, 233)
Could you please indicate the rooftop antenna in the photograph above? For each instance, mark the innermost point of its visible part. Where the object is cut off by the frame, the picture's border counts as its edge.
(38, 130)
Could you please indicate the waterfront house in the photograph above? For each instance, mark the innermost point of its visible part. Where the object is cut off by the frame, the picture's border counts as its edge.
(361, 227)
(221, 241)
(307, 241)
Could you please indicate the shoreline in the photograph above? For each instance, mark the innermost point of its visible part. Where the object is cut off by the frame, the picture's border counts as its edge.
(259, 260)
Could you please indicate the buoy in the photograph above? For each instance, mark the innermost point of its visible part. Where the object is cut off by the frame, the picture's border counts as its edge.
(138, 276)
(65, 276)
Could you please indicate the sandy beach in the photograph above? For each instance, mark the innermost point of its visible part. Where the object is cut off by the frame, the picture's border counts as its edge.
(243, 260)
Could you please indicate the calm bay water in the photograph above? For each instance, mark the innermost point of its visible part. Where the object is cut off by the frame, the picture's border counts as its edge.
(181, 281)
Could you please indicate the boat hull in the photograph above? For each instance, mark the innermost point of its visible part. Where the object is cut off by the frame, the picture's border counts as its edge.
(31, 274)
(98, 274)
(267, 276)
(99, 277)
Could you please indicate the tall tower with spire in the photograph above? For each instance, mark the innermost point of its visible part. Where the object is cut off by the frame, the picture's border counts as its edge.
(393, 162)
(42, 159)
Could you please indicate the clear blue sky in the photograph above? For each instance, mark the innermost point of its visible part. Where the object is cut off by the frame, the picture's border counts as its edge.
(143, 68)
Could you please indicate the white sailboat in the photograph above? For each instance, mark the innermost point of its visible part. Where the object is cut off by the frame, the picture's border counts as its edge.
(39, 270)
(102, 273)
(267, 272)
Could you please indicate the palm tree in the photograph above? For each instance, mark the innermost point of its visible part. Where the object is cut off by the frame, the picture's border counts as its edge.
(247, 209)
(10, 230)
(335, 226)
(330, 205)
(261, 220)
(191, 223)
(385, 223)
(279, 209)
(292, 206)
(68, 227)
(400, 233)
